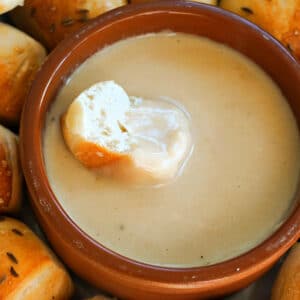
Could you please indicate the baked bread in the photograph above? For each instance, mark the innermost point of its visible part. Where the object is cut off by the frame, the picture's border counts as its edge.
(28, 269)
(50, 21)
(131, 138)
(10, 172)
(280, 18)
(287, 284)
(6, 5)
(20, 58)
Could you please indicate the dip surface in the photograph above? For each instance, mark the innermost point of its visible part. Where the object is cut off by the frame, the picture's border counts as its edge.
(239, 183)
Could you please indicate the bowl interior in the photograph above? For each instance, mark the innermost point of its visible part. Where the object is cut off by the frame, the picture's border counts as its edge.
(75, 247)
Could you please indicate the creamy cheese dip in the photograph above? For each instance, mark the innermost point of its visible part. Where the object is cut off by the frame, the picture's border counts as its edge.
(239, 183)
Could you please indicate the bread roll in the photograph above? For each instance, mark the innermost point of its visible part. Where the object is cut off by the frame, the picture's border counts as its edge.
(10, 172)
(50, 21)
(287, 284)
(133, 139)
(6, 5)
(280, 18)
(20, 58)
(28, 269)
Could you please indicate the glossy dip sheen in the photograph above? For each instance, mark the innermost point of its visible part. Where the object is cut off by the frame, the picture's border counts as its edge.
(239, 183)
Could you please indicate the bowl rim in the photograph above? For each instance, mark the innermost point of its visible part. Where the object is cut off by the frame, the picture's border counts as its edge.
(223, 273)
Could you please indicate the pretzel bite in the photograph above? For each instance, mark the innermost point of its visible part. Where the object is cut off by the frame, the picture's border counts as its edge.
(280, 18)
(20, 58)
(287, 284)
(10, 172)
(28, 269)
(50, 21)
(127, 137)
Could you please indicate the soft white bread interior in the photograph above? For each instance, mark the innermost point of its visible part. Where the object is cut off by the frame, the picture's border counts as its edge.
(20, 58)
(127, 137)
(28, 269)
(10, 172)
(287, 284)
(7, 5)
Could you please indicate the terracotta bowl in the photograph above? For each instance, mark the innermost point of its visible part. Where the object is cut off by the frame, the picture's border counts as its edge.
(96, 264)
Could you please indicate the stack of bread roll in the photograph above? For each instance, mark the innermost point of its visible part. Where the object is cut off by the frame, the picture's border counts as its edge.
(28, 269)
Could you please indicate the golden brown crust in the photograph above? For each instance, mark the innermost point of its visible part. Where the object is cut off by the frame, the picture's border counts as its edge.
(28, 270)
(287, 284)
(50, 21)
(13, 90)
(280, 18)
(5, 178)
(20, 58)
(91, 155)
(10, 172)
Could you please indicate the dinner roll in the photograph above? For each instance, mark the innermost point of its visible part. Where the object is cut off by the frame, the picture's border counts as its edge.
(28, 269)
(280, 18)
(6, 5)
(50, 21)
(20, 58)
(131, 138)
(10, 172)
(287, 284)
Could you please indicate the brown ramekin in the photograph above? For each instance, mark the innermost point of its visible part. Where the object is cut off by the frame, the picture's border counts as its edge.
(119, 275)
